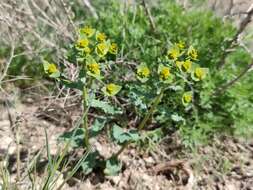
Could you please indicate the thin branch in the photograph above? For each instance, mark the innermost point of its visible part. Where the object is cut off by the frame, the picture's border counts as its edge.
(230, 7)
(234, 40)
(91, 8)
(237, 13)
(69, 18)
(8, 63)
(224, 87)
(150, 18)
(35, 6)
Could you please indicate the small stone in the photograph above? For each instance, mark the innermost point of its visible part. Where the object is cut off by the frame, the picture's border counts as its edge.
(149, 160)
(29, 100)
(114, 179)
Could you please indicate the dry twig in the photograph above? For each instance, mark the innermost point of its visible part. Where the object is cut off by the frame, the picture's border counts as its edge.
(234, 40)
(150, 18)
(91, 8)
(178, 164)
(8, 63)
(224, 87)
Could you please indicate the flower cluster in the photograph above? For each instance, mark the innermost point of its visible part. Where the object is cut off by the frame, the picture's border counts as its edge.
(91, 41)
(179, 63)
(93, 49)
(94, 46)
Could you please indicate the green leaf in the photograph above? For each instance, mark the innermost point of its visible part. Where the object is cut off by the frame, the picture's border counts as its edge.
(177, 118)
(55, 73)
(77, 136)
(72, 84)
(176, 88)
(113, 166)
(113, 87)
(97, 127)
(45, 65)
(143, 80)
(134, 135)
(92, 161)
(82, 74)
(89, 59)
(107, 108)
(122, 137)
(118, 133)
(99, 77)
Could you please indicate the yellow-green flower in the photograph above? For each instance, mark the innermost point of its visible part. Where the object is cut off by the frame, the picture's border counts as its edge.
(82, 43)
(164, 73)
(186, 98)
(186, 66)
(93, 68)
(199, 74)
(111, 89)
(192, 53)
(52, 69)
(101, 37)
(143, 72)
(180, 44)
(113, 48)
(87, 50)
(174, 53)
(179, 64)
(88, 31)
(101, 49)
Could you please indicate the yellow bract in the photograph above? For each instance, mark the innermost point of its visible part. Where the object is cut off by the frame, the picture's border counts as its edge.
(187, 98)
(94, 68)
(143, 72)
(52, 68)
(180, 45)
(101, 37)
(102, 49)
(200, 73)
(164, 73)
(192, 53)
(113, 48)
(111, 89)
(87, 50)
(186, 66)
(174, 53)
(82, 43)
(88, 31)
(179, 64)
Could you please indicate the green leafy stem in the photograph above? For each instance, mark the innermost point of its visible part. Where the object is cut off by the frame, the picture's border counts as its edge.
(144, 121)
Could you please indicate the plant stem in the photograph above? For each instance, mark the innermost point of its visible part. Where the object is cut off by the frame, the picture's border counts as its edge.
(144, 121)
(150, 18)
(18, 152)
(85, 119)
(123, 147)
(151, 110)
